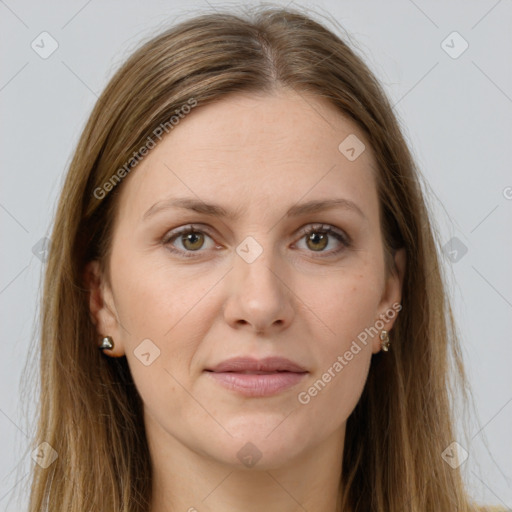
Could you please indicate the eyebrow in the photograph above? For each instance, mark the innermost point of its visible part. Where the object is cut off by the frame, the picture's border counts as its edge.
(215, 210)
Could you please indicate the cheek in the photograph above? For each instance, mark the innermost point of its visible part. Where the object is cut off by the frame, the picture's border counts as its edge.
(153, 296)
(158, 315)
(332, 394)
(346, 307)
(346, 303)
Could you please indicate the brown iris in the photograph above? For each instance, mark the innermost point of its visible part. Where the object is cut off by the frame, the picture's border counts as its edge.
(315, 238)
(193, 240)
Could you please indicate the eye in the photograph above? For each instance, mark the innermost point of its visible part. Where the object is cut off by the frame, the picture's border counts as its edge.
(317, 238)
(191, 239)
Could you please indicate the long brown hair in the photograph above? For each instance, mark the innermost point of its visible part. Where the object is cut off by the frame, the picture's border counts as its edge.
(89, 409)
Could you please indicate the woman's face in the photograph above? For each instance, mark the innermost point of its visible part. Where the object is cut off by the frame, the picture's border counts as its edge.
(251, 283)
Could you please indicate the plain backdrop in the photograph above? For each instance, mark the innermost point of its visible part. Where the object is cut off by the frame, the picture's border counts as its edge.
(447, 69)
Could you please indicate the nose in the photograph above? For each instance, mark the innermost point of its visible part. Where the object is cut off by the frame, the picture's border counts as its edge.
(260, 298)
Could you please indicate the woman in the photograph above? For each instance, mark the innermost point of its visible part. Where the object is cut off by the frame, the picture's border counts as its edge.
(243, 305)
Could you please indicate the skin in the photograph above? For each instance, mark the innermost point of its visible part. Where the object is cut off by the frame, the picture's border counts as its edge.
(256, 155)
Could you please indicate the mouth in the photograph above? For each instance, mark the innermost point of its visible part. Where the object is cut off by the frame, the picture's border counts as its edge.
(248, 372)
(256, 383)
(251, 377)
(245, 364)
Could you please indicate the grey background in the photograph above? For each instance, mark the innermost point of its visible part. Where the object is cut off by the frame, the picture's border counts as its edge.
(456, 114)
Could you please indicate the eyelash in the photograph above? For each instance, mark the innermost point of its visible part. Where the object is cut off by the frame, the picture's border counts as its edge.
(314, 228)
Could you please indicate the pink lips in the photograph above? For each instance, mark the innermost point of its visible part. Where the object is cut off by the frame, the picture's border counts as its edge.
(257, 378)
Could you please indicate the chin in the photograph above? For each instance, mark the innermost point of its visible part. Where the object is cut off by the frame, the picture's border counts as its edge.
(258, 449)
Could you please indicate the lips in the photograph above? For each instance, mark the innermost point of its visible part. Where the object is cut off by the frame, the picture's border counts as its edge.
(257, 378)
(257, 366)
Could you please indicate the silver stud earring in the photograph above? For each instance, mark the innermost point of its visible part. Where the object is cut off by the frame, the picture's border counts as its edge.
(384, 337)
(107, 343)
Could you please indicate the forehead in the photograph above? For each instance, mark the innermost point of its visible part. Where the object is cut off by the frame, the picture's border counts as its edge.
(266, 150)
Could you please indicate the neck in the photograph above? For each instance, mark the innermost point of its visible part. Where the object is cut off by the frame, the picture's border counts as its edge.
(186, 481)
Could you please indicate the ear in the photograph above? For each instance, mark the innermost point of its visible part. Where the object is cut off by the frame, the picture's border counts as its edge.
(392, 296)
(102, 308)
